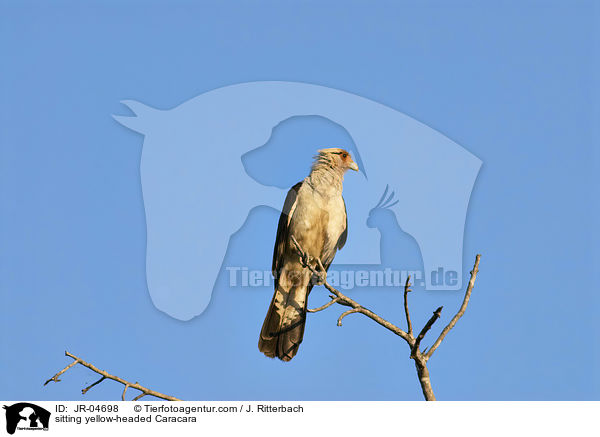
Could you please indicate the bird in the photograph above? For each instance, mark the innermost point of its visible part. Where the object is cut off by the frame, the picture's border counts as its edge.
(314, 213)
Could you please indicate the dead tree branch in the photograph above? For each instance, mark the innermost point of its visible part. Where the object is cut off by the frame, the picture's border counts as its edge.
(85, 390)
(461, 311)
(420, 357)
(327, 305)
(105, 375)
(436, 315)
(406, 291)
(347, 313)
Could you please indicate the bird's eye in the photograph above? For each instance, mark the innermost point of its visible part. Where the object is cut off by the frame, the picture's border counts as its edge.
(344, 155)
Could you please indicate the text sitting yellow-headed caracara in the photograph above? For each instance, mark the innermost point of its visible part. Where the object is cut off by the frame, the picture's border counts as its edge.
(314, 213)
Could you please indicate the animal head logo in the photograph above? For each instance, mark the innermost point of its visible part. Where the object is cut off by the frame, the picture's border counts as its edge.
(196, 193)
(24, 415)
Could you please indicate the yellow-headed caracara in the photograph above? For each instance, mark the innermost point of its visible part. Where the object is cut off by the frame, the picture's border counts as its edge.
(314, 213)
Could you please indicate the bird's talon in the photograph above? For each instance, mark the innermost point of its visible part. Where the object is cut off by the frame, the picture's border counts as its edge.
(321, 278)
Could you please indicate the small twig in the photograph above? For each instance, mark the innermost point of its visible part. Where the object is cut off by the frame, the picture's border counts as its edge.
(426, 328)
(85, 390)
(55, 377)
(105, 375)
(347, 313)
(141, 395)
(461, 311)
(406, 291)
(322, 307)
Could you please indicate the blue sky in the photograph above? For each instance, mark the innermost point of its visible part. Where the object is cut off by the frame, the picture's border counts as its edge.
(515, 83)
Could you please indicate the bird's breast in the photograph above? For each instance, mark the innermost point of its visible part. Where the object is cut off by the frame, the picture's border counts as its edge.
(318, 222)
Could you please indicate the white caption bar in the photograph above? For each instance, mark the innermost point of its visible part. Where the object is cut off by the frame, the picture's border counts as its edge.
(21, 418)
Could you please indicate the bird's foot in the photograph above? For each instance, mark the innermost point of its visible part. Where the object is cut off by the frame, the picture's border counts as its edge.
(319, 278)
(321, 275)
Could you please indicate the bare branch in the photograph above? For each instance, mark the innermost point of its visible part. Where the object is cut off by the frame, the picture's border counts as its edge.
(424, 379)
(85, 390)
(105, 375)
(347, 313)
(426, 328)
(55, 377)
(406, 291)
(461, 311)
(323, 307)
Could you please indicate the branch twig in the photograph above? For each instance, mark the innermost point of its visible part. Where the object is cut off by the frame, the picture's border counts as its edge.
(436, 315)
(105, 375)
(85, 390)
(461, 311)
(55, 377)
(327, 305)
(406, 291)
(346, 313)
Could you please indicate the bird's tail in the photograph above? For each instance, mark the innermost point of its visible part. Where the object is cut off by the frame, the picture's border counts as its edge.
(283, 328)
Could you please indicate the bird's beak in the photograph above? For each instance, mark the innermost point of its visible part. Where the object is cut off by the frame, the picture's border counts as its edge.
(354, 166)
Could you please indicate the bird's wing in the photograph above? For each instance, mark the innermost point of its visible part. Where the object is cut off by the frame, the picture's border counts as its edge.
(282, 237)
(329, 250)
(342, 240)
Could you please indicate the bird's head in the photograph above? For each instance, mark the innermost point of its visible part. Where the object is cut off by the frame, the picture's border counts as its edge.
(335, 158)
